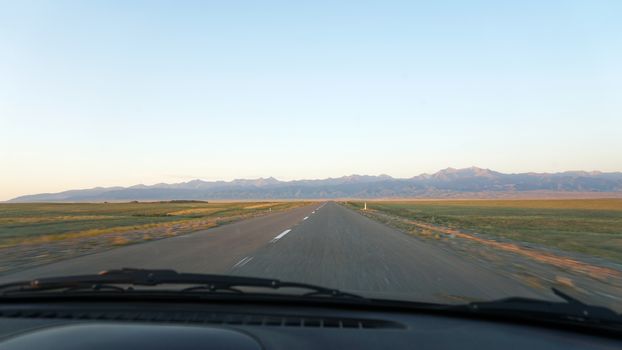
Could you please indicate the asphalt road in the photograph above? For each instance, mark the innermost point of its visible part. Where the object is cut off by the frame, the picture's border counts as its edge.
(324, 244)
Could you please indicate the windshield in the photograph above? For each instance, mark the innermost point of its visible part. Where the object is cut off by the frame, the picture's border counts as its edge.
(446, 152)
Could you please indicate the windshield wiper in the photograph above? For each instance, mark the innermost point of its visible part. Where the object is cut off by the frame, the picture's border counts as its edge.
(124, 280)
(570, 311)
(111, 279)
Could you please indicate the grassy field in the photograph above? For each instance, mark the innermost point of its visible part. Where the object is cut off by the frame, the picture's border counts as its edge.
(36, 222)
(588, 226)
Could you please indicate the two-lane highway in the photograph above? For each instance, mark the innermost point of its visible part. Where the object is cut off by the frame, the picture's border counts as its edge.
(209, 251)
(325, 244)
(340, 248)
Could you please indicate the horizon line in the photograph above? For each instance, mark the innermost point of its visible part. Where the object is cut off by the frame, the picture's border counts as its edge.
(316, 179)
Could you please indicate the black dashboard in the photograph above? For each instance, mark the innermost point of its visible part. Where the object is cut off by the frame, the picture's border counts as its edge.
(121, 325)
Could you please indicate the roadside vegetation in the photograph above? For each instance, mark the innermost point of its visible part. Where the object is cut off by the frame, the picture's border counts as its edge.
(36, 233)
(588, 226)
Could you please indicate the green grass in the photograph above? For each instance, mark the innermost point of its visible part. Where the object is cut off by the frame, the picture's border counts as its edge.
(24, 222)
(588, 226)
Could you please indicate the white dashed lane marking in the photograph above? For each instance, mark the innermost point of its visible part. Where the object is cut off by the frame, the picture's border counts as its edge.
(280, 236)
(243, 261)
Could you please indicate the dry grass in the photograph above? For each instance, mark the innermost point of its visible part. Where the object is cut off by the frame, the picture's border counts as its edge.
(260, 205)
(195, 211)
(120, 241)
(40, 223)
(588, 226)
(585, 204)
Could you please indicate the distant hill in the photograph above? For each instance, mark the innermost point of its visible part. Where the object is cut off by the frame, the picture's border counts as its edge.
(447, 183)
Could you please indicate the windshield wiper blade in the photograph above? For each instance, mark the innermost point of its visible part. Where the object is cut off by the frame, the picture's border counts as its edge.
(149, 277)
(572, 310)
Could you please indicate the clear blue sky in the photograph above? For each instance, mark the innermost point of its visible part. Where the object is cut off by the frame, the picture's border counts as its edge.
(103, 93)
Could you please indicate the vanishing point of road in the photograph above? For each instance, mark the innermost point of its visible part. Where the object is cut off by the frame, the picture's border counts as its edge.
(325, 244)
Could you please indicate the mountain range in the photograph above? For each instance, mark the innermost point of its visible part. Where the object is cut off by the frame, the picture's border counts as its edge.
(447, 183)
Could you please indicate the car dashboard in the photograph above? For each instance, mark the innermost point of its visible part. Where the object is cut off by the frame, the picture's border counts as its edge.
(122, 325)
